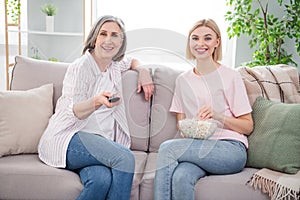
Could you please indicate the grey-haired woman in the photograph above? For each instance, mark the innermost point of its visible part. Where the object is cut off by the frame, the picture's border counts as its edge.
(88, 133)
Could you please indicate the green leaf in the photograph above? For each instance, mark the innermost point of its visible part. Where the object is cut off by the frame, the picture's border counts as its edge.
(266, 39)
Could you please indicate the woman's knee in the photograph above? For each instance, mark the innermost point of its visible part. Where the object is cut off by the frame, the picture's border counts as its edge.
(131, 160)
(187, 173)
(96, 178)
(166, 147)
(172, 149)
(126, 161)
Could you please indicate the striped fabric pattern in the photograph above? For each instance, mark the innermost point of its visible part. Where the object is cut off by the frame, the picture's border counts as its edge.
(279, 83)
(79, 82)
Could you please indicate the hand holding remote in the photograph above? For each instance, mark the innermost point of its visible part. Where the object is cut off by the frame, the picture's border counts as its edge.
(114, 98)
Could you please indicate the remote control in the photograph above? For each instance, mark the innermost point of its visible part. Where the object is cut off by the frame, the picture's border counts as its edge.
(113, 99)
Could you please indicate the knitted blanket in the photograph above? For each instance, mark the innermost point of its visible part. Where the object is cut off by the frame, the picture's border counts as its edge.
(277, 185)
(279, 83)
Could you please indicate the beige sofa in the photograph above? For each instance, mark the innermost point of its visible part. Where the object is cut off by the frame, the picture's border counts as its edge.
(24, 176)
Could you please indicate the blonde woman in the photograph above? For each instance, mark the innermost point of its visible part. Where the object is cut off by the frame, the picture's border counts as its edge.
(210, 91)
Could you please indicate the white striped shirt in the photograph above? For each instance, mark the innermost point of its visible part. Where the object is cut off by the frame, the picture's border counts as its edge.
(81, 83)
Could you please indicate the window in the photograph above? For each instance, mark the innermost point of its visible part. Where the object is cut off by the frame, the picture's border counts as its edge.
(165, 23)
(12, 40)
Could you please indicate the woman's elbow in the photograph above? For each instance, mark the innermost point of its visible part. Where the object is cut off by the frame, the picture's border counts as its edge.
(249, 127)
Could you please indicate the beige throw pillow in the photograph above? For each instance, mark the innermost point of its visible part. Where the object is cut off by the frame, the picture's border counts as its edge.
(23, 118)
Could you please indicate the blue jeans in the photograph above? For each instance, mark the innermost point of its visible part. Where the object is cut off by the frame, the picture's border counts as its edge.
(182, 162)
(105, 168)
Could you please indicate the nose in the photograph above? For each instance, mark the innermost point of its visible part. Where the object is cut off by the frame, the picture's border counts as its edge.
(200, 42)
(108, 38)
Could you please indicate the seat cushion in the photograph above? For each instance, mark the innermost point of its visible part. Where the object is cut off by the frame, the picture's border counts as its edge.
(146, 186)
(26, 177)
(225, 187)
(140, 162)
(228, 187)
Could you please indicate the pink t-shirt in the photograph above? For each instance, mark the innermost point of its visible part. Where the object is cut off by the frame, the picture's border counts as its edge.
(223, 90)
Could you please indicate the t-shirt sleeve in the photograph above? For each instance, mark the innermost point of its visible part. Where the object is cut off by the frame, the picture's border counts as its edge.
(237, 97)
(176, 104)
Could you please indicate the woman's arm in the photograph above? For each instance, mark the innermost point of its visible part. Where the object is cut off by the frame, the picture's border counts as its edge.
(144, 81)
(179, 116)
(242, 124)
(84, 109)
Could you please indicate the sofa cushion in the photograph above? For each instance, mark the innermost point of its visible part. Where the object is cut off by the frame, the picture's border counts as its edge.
(140, 162)
(30, 73)
(275, 140)
(233, 186)
(146, 185)
(26, 177)
(137, 111)
(163, 123)
(228, 187)
(23, 118)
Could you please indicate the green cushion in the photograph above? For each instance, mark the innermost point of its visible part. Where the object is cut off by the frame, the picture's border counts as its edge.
(275, 140)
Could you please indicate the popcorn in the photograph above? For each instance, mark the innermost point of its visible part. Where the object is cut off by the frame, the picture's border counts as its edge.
(195, 128)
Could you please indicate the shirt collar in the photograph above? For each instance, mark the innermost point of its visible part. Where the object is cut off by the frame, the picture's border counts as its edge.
(95, 68)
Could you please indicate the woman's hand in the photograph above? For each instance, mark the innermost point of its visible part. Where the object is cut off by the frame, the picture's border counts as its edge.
(180, 116)
(145, 83)
(84, 109)
(205, 113)
(102, 99)
(242, 124)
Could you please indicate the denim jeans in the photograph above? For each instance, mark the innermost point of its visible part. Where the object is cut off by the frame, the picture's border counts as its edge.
(105, 168)
(182, 162)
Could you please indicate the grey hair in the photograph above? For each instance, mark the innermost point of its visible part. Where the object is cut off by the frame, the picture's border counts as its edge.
(92, 37)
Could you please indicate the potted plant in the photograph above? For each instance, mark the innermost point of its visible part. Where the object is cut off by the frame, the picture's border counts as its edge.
(13, 10)
(50, 10)
(268, 32)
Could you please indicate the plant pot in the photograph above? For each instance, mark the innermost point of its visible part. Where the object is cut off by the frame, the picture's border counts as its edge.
(49, 23)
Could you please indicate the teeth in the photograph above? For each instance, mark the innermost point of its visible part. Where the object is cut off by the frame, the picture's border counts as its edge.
(107, 48)
(201, 50)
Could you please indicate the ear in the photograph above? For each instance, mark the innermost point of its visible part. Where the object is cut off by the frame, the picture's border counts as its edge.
(218, 42)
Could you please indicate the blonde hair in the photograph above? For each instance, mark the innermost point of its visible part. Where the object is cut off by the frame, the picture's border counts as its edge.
(92, 37)
(217, 54)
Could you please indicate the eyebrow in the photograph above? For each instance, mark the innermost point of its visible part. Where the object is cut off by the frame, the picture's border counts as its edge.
(194, 35)
(114, 32)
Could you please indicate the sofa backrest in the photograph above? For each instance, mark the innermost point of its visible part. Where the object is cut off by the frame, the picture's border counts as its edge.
(150, 122)
(30, 73)
(163, 123)
(137, 112)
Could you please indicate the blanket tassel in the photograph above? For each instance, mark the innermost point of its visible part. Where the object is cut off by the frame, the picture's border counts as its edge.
(273, 189)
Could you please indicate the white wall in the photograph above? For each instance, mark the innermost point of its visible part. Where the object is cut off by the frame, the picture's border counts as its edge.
(165, 24)
(69, 18)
